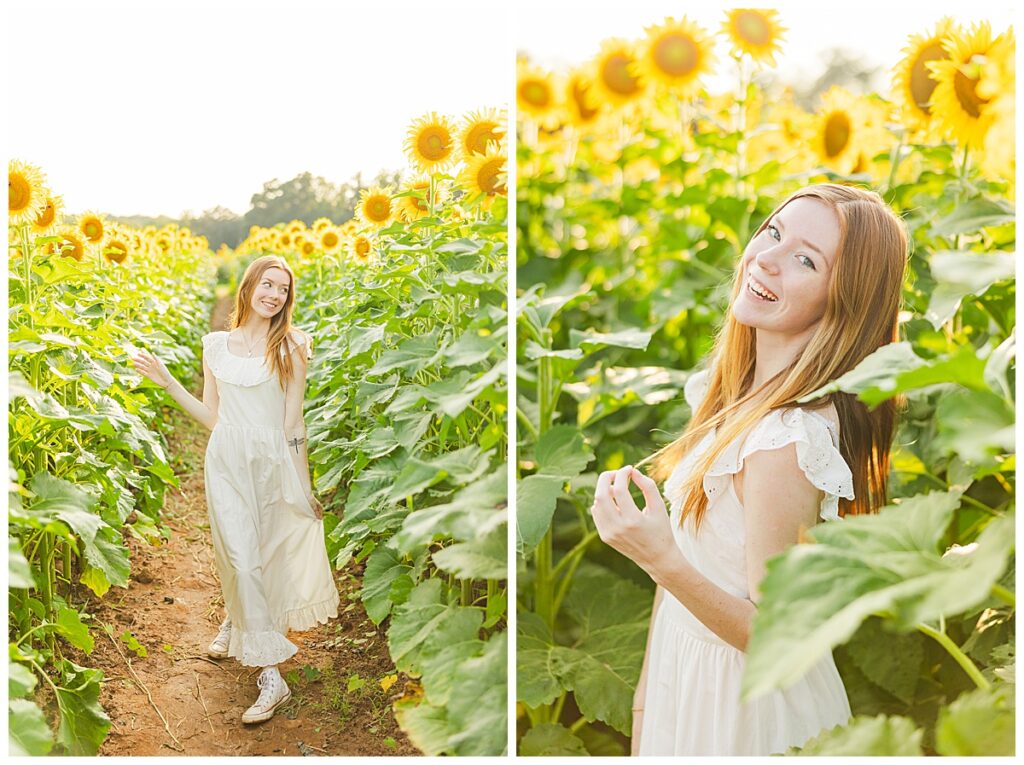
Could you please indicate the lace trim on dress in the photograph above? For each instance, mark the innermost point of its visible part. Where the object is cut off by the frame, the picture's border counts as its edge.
(817, 450)
(307, 617)
(261, 649)
(230, 368)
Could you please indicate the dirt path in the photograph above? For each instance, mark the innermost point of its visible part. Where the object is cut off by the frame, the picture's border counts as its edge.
(173, 606)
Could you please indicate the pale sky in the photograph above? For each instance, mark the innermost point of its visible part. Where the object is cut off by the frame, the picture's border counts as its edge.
(156, 107)
(557, 34)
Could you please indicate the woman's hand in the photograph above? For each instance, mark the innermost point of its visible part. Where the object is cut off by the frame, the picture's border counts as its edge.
(151, 367)
(318, 509)
(643, 536)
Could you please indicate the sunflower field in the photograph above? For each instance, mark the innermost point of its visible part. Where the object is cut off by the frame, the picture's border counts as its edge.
(637, 192)
(406, 415)
(87, 454)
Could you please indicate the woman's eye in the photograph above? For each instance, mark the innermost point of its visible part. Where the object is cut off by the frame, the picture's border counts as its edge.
(805, 260)
(773, 232)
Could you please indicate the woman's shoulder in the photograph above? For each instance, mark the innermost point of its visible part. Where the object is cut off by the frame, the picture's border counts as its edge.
(211, 337)
(298, 339)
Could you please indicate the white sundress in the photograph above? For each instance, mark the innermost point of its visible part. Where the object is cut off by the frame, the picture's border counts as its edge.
(692, 703)
(268, 543)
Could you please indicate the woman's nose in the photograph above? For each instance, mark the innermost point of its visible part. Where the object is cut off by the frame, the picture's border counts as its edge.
(768, 260)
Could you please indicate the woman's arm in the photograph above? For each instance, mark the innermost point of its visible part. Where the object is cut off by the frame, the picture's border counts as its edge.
(295, 425)
(641, 685)
(780, 501)
(204, 411)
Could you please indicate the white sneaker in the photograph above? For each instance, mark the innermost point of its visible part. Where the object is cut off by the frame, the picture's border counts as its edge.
(273, 693)
(219, 647)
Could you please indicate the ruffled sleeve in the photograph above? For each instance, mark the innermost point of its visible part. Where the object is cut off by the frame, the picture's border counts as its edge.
(301, 340)
(817, 453)
(696, 388)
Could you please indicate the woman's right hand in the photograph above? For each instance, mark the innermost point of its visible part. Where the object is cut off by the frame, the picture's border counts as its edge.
(150, 367)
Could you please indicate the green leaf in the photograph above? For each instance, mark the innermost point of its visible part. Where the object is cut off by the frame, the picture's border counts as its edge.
(889, 660)
(383, 568)
(551, 740)
(878, 371)
(70, 627)
(978, 723)
(536, 683)
(602, 666)
(462, 466)
(879, 736)
(536, 497)
(478, 702)
(21, 681)
(977, 425)
(426, 726)
(83, 723)
(485, 558)
(410, 356)
(959, 274)
(29, 735)
(19, 573)
(590, 341)
(454, 642)
(561, 451)
(471, 513)
(970, 216)
(998, 362)
(816, 595)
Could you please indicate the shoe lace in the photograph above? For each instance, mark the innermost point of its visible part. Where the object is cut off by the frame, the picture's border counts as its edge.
(265, 683)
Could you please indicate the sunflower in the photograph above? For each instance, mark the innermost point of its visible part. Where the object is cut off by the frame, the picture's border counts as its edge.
(998, 83)
(912, 80)
(295, 226)
(48, 218)
(676, 54)
(285, 239)
(330, 239)
(956, 103)
(308, 248)
(92, 226)
(614, 72)
(836, 130)
(754, 32)
(579, 100)
(535, 91)
(71, 244)
(362, 247)
(375, 206)
(321, 223)
(116, 247)
(480, 129)
(416, 205)
(486, 174)
(26, 192)
(430, 142)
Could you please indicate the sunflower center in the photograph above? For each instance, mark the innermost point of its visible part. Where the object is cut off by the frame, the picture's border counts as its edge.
(579, 97)
(330, 239)
(120, 251)
(92, 229)
(837, 134)
(19, 192)
(616, 75)
(308, 248)
(46, 216)
(676, 55)
(752, 27)
(487, 177)
(480, 135)
(434, 144)
(362, 247)
(378, 208)
(966, 91)
(535, 93)
(921, 83)
(421, 204)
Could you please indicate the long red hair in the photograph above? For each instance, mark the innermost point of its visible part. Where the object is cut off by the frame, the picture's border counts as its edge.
(862, 315)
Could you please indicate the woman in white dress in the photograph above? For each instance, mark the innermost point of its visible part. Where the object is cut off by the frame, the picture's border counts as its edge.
(266, 523)
(817, 290)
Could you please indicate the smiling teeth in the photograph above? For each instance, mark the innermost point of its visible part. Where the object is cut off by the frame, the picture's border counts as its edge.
(761, 291)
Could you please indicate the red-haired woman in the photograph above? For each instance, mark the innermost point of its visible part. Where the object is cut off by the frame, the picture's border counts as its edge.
(266, 524)
(817, 289)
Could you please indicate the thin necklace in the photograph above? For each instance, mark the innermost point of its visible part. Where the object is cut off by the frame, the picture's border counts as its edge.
(252, 345)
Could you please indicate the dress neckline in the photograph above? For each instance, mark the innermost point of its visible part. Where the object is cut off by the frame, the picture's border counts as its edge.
(227, 348)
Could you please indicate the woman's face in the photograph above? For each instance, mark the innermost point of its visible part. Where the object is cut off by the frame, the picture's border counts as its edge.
(786, 270)
(271, 292)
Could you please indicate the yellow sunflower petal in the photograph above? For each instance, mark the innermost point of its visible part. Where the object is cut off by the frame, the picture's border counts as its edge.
(912, 79)
(26, 192)
(676, 54)
(375, 206)
(430, 142)
(486, 174)
(481, 128)
(754, 32)
(615, 73)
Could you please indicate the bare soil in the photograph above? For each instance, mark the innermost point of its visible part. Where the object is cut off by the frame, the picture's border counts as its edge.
(176, 700)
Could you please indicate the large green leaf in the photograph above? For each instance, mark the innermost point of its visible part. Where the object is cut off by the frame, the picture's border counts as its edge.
(959, 274)
(561, 451)
(425, 724)
(979, 723)
(28, 733)
(471, 513)
(410, 356)
(877, 736)
(462, 465)
(591, 340)
(977, 425)
(974, 214)
(484, 558)
(21, 680)
(536, 683)
(551, 740)
(83, 723)
(382, 569)
(19, 573)
(536, 497)
(478, 702)
(816, 595)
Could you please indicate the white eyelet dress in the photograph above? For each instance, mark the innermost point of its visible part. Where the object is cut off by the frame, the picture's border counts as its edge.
(692, 703)
(268, 543)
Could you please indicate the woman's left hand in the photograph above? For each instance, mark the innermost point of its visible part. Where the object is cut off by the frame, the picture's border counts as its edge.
(644, 536)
